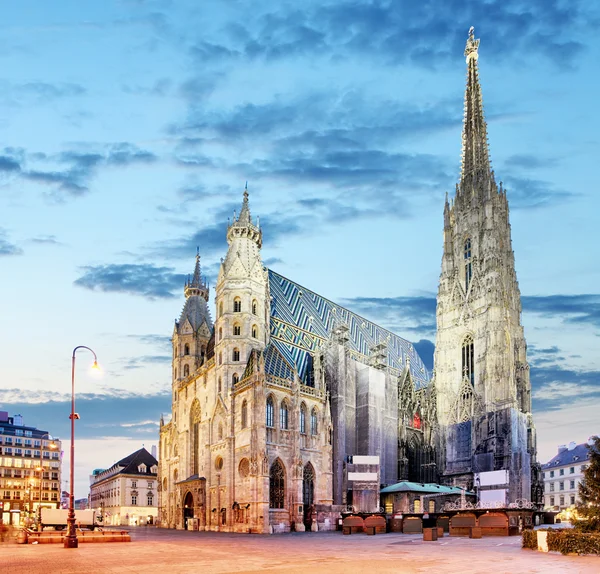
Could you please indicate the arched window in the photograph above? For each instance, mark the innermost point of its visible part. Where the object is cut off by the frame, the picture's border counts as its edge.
(254, 307)
(303, 418)
(220, 358)
(237, 330)
(468, 363)
(186, 370)
(220, 435)
(254, 332)
(314, 425)
(234, 379)
(244, 414)
(237, 305)
(236, 354)
(468, 266)
(186, 349)
(175, 373)
(270, 413)
(219, 385)
(277, 485)
(283, 415)
(220, 308)
(220, 333)
(308, 485)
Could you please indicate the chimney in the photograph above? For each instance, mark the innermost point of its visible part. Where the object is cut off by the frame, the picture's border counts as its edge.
(153, 451)
(572, 445)
(562, 448)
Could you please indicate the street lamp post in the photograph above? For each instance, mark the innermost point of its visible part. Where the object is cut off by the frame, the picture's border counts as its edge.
(71, 537)
(41, 469)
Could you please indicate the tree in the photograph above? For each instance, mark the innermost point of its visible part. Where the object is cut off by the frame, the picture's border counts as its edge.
(589, 491)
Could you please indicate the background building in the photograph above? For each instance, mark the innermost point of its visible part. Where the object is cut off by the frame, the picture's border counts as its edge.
(27, 456)
(562, 475)
(126, 494)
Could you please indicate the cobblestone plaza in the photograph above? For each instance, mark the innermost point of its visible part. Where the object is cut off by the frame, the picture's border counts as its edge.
(179, 552)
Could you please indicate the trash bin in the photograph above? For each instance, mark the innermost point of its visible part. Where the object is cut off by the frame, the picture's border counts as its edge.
(430, 534)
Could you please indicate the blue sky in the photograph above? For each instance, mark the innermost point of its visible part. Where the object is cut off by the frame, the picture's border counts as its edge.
(128, 130)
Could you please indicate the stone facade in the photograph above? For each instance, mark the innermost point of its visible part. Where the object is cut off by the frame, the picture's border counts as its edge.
(247, 448)
(481, 370)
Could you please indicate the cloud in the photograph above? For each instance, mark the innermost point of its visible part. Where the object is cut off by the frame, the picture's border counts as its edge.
(38, 92)
(577, 309)
(81, 166)
(44, 91)
(528, 162)
(145, 280)
(45, 240)
(554, 386)
(7, 247)
(140, 362)
(396, 33)
(559, 390)
(9, 165)
(529, 193)
(151, 423)
(162, 341)
(161, 87)
(398, 314)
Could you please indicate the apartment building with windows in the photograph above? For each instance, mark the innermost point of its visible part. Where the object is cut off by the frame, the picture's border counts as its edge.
(30, 470)
(562, 475)
(126, 494)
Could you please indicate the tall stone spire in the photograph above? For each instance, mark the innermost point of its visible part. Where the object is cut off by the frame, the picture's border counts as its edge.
(476, 177)
(482, 384)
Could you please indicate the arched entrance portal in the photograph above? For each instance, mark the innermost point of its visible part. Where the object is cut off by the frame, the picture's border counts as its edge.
(188, 508)
(308, 494)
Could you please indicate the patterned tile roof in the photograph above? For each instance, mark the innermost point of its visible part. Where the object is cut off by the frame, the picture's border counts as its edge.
(301, 321)
(276, 364)
(407, 486)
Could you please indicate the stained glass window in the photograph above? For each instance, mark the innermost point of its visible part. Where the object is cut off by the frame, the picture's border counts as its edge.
(277, 485)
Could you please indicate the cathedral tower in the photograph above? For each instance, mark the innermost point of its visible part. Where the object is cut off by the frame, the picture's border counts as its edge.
(241, 299)
(193, 330)
(481, 370)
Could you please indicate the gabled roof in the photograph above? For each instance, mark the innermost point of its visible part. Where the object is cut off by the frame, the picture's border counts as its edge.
(276, 364)
(301, 321)
(576, 455)
(131, 463)
(195, 310)
(406, 486)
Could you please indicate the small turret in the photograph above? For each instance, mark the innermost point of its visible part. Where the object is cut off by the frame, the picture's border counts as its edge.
(196, 286)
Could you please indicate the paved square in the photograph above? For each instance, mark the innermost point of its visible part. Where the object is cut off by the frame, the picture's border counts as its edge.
(181, 552)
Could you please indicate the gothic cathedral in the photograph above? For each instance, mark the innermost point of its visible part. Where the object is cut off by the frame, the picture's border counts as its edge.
(271, 401)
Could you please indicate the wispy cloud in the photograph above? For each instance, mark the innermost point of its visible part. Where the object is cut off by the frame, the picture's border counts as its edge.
(399, 314)
(396, 33)
(578, 309)
(7, 247)
(144, 280)
(69, 173)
